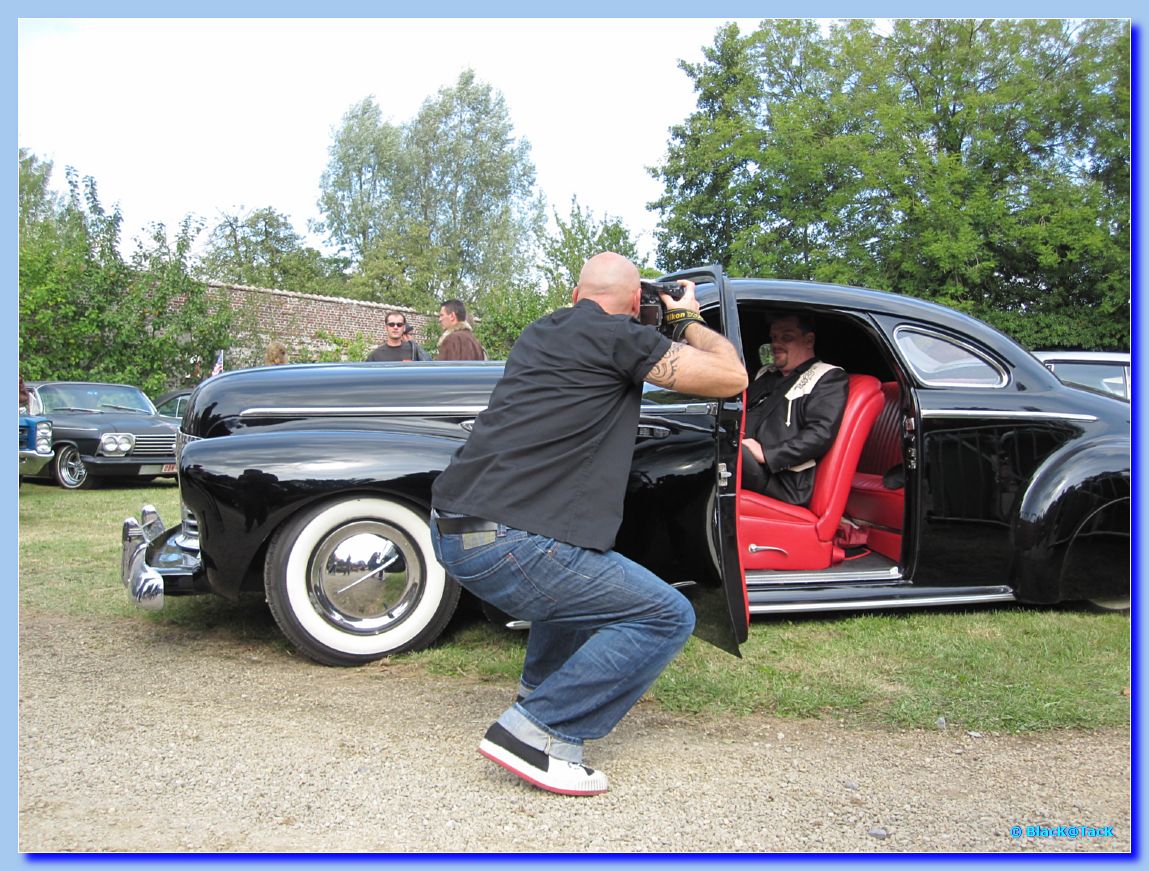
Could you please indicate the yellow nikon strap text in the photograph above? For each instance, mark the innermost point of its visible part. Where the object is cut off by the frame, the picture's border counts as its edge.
(675, 322)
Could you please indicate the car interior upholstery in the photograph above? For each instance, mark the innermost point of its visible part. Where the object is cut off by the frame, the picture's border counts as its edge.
(854, 500)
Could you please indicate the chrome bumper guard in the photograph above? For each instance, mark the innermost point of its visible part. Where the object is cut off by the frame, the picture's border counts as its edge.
(171, 552)
(32, 463)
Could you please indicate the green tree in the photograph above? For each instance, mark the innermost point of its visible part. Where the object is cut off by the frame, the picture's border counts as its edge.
(71, 279)
(168, 320)
(86, 313)
(442, 206)
(984, 164)
(359, 188)
(473, 190)
(37, 201)
(577, 239)
(509, 309)
(262, 249)
(711, 158)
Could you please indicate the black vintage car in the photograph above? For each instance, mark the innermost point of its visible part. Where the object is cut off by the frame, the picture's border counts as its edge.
(102, 432)
(964, 472)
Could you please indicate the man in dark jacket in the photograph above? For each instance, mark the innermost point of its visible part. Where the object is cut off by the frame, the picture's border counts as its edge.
(793, 411)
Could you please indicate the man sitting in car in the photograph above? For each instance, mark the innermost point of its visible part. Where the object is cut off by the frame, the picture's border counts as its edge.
(793, 410)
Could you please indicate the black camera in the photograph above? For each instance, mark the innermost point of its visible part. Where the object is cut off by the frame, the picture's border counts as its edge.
(651, 308)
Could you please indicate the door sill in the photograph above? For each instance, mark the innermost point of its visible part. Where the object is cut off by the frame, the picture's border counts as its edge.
(853, 597)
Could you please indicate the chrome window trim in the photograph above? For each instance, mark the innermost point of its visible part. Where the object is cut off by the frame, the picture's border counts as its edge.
(368, 410)
(1002, 373)
(997, 414)
(649, 408)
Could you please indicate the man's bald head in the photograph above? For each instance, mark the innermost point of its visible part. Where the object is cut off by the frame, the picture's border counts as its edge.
(610, 280)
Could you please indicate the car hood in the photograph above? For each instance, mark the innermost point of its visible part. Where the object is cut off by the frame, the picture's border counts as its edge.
(232, 400)
(104, 421)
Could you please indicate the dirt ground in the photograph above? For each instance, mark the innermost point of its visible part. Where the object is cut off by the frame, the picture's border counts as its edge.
(141, 737)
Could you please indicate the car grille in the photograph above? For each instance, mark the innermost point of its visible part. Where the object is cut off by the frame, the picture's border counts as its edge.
(183, 439)
(23, 436)
(155, 445)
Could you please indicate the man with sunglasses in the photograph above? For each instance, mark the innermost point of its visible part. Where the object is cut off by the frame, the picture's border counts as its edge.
(396, 346)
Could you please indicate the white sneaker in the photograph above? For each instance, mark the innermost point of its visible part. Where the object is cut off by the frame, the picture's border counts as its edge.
(539, 768)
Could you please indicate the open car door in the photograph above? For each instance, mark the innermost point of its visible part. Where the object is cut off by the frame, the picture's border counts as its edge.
(723, 613)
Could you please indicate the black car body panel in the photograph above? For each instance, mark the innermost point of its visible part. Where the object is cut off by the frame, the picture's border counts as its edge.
(1016, 487)
(243, 490)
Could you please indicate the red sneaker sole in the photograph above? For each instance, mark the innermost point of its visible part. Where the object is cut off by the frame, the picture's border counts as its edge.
(534, 782)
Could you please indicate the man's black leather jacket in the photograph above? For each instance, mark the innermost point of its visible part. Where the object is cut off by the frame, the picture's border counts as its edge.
(795, 431)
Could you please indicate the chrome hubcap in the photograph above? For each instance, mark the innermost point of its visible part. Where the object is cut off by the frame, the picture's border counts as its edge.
(365, 577)
(72, 470)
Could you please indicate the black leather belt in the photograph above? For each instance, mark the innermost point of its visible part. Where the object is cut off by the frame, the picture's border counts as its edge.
(461, 525)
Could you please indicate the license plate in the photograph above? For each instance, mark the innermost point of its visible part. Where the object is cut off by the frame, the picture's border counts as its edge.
(168, 468)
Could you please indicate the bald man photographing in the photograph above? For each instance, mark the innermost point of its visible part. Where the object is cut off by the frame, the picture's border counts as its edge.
(526, 514)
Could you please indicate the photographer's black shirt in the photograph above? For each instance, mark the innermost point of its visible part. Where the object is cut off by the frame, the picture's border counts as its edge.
(551, 454)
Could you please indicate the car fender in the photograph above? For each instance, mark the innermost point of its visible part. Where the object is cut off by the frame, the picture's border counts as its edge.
(242, 488)
(1082, 488)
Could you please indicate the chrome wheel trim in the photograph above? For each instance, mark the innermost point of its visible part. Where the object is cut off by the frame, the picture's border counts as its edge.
(365, 577)
(1111, 603)
(288, 569)
(70, 468)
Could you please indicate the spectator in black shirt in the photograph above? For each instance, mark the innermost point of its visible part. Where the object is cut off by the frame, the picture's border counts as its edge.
(527, 512)
(396, 346)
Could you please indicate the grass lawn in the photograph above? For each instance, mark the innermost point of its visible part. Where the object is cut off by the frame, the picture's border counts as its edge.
(1001, 669)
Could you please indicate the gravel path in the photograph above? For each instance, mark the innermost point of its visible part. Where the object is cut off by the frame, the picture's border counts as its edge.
(136, 737)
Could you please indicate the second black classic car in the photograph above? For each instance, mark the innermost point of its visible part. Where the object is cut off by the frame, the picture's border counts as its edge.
(964, 472)
(103, 431)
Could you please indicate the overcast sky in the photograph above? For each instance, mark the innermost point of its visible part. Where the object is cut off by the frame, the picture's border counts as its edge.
(213, 116)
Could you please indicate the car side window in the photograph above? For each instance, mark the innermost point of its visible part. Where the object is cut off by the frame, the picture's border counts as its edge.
(1109, 377)
(174, 407)
(941, 361)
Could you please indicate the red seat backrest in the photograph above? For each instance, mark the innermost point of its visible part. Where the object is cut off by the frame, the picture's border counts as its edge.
(835, 471)
(883, 449)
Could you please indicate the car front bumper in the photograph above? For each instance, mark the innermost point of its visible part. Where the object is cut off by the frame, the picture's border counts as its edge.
(32, 463)
(130, 466)
(155, 561)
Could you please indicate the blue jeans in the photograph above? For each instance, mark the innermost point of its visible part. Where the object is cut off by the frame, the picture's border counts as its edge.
(602, 629)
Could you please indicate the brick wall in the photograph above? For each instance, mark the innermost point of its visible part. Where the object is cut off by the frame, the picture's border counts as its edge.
(300, 320)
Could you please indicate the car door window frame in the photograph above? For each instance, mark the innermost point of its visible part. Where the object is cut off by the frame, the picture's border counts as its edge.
(928, 379)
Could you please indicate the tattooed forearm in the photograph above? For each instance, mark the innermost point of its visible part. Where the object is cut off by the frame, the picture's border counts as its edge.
(665, 371)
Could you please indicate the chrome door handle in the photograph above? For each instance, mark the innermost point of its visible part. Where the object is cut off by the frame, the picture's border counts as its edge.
(757, 548)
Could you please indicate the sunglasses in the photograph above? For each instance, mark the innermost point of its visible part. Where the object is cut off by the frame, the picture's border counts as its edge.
(395, 325)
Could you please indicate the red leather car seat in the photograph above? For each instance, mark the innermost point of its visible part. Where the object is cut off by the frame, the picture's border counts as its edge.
(877, 506)
(777, 535)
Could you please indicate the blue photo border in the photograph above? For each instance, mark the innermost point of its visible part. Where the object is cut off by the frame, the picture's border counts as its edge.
(589, 8)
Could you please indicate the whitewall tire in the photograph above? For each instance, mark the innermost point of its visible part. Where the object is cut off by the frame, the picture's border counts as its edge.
(356, 579)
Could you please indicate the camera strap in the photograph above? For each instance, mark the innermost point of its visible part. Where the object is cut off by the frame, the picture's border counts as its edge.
(675, 322)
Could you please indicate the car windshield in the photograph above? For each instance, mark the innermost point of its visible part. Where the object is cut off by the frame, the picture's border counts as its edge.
(94, 397)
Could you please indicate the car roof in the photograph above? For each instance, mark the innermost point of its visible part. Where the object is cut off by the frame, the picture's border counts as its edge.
(179, 391)
(787, 293)
(1083, 356)
(79, 383)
